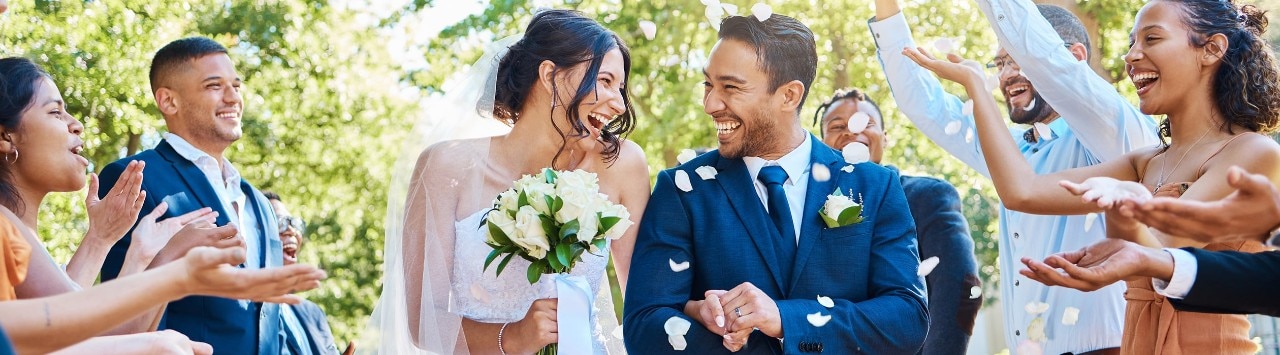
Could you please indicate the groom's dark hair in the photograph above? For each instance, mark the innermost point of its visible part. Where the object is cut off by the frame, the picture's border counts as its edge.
(178, 54)
(785, 48)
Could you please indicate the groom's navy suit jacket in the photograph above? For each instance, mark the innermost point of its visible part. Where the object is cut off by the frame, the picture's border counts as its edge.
(230, 326)
(722, 229)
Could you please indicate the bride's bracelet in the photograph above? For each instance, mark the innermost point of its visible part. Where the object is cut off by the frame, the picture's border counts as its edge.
(500, 330)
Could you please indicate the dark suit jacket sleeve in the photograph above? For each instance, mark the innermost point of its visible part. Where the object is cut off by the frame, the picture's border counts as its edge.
(1234, 282)
(655, 292)
(115, 257)
(893, 320)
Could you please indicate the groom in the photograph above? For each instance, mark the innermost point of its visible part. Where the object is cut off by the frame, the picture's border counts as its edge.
(732, 241)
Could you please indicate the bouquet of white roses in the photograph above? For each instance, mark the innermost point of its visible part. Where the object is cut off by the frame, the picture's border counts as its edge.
(551, 219)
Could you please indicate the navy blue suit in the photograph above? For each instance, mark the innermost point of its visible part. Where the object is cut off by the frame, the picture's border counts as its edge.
(1234, 282)
(319, 339)
(721, 228)
(230, 326)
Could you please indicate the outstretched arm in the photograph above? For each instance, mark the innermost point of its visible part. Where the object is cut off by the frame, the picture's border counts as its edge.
(1018, 185)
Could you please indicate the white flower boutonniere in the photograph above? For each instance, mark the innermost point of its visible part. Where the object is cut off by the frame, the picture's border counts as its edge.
(841, 210)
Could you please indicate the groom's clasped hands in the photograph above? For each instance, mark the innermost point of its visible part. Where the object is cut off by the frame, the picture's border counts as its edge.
(736, 313)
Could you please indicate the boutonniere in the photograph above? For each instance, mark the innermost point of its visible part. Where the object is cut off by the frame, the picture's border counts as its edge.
(841, 210)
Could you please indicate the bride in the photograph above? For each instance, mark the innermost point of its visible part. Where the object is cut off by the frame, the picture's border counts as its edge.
(562, 90)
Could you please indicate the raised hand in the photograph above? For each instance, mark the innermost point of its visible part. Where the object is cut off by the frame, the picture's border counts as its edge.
(1251, 212)
(111, 216)
(193, 235)
(210, 272)
(533, 332)
(150, 236)
(1107, 192)
(954, 68)
(1099, 265)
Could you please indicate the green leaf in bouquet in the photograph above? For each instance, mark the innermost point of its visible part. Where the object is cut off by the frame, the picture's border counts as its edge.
(535, 271)
(600, 244)
(498, 236)
(551, 175)
(523, 200)
(502, 265)
(557, 204)
(831, 223)
(489, 259)
(551, 203)
(569, 229)
(565, 256)
(549, 226)
(607, 223)
(553, 260)
(575, 252)
(851, 215)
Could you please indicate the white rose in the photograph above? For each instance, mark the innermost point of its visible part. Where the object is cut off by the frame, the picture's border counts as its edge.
(529, 233)
(836, 204)
(588, 226)
(578, 179)
(527, 180)
(504, 222)
(508, 201)
(577, 202)
(620, 211)
(538, 193)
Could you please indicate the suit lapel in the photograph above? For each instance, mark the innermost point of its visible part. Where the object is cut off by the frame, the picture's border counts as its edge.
(735, 179)
(816, 195)
(196, 181)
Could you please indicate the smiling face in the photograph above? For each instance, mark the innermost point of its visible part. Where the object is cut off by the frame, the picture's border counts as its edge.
(48, 144)
(836, 132)
(748, 116)
(1162, 63)
(204, 102)
(601, 105)
(1026, 106)
(290, 238)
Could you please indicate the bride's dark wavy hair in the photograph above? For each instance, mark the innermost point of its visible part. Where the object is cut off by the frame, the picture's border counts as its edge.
(566, 38)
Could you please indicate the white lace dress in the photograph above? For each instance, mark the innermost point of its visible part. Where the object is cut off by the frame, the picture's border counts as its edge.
(482, 296)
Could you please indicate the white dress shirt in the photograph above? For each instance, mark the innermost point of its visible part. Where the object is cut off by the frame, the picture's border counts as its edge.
(796, 164)
(1096, 124)
(225, 180)
(1184, 275)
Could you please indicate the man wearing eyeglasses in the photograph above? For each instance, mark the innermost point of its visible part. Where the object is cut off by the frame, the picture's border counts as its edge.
(306, 327)
(1077, 119)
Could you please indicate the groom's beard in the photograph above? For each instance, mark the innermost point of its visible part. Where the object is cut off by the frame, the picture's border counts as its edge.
(1038, 112)
(758, 136)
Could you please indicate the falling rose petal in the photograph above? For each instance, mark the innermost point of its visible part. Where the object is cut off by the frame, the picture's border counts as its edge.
(967, 109)
(682, 181)
(1028, 347)
(1043, 130)
(677, 342)
(820, 172)
(730, 9)
(993, 82)
(826, 301)
(975, 292)
(1070, 316)
(617, 332)
(649, 28)
(706, 172)
(1030, 104)
(1035, 330)
(714, 13)
(944, 45)
(671, 61)
(926, 266)
(762, 11)
(968, 135)
(952, 128)
(676, 326)
(1088, 221)
(858, 122)
(1257, 341)
(686, 155)
(711, 2)
(678, 267)
(847, 168)
(818, 319)
(856, 152)
(1036, 307)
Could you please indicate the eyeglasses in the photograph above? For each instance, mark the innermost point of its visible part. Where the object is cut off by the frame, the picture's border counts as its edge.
(284, 222)
(1001, 61)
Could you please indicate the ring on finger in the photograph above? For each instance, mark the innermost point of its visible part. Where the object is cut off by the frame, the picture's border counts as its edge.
(737, 311)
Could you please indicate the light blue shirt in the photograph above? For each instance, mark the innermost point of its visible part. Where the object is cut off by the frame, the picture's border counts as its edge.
(1096, 124)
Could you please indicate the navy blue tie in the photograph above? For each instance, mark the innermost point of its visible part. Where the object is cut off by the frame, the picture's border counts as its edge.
(780, 212)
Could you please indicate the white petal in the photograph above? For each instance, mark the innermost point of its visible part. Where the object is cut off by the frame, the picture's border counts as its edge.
(952, 128)
(686, 155)
(479, 293)
(993, 82)
(968, 135)
(677, 342)
(676, 326)
(944, 45)
(975, 292)
(1036, 307)
(858, 122)
(1088, 221)
(818, 319)
(730, 9)
(820, 172)
(706, 172)
(1043, 130)
(649, 28)
(711, 2)
(847, 168)
(1028, 347)
(714, 13)
(617, 332)
(678, 267)
(826, 301)
(856, 152)
(926, 266)
(1070, 316)
(762, 11)
(671, 61)
(682, 181)
(967, 109)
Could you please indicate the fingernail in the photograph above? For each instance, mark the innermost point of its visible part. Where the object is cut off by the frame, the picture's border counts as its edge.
(720, 321)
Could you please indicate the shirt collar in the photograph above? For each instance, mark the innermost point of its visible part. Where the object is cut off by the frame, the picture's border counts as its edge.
(196, 156)
(1058, 127)
(796, 162)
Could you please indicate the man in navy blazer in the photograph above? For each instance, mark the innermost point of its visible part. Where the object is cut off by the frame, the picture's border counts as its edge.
(197, 90)
(732, 252)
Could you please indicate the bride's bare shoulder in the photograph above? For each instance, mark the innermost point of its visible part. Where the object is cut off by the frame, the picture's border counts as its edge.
(631, 162)
(452, 155)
